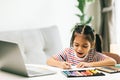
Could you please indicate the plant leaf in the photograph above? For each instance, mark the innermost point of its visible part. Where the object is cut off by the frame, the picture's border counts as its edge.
(81, 5)
(90, 0)
(89, 20)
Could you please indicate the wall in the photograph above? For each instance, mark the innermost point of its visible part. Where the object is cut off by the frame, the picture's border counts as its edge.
(117, 19)
(23, 14)
(17, 14)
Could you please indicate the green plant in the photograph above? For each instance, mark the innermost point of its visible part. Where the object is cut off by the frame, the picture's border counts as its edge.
(82, 6)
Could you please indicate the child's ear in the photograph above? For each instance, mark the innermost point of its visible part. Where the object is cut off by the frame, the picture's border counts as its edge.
(93, 45)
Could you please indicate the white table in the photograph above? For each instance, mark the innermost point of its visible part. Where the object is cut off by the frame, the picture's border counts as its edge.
(57, 76)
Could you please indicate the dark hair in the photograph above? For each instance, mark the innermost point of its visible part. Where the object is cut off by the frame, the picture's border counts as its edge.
(99, 43)
(83, 29)
(90, 36)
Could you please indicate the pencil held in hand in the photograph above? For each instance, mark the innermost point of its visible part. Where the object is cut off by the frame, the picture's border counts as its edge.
(67, 65)
(62, 58)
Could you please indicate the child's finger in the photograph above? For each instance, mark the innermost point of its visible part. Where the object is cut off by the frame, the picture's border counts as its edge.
(80, 65)
(68, 65)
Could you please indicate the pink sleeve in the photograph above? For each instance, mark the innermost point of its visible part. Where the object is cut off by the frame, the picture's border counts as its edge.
(61, 56)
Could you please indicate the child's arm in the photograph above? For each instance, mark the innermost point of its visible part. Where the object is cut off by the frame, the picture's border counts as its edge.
(61, 64)
(106, 62)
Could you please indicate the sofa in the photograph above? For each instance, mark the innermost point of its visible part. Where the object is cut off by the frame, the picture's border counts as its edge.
(37, 44)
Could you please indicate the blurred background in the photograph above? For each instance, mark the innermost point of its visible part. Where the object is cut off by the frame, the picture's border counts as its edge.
(24, 14)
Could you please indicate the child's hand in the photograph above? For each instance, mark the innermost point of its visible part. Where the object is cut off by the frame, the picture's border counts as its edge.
(65, 65)
(83, 65)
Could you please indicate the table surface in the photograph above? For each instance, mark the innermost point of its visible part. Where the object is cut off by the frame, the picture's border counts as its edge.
(57, 76)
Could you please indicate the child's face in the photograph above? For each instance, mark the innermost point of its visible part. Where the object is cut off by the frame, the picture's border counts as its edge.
(81, 46)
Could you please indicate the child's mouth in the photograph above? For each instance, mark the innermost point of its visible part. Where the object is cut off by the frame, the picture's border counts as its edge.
(80, 53)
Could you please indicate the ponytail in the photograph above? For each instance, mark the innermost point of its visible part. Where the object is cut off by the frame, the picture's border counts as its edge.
(98, 43)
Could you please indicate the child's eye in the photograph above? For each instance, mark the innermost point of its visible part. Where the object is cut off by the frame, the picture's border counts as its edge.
(85, 46)
(76, 45)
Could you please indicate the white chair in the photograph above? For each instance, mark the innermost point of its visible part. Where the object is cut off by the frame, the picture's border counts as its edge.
(38, 44)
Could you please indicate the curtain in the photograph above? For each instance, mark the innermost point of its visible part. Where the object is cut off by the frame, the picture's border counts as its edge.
(107, 12)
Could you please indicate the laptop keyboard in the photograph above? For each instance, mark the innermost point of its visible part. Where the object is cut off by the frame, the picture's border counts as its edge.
(38, 71)
(33, 72)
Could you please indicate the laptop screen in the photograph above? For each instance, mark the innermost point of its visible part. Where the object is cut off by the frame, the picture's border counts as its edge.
(11, 59)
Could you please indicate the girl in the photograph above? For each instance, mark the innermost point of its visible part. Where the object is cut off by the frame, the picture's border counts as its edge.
(81, 53)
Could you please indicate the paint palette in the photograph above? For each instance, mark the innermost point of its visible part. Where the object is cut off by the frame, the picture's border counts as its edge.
(83, 73)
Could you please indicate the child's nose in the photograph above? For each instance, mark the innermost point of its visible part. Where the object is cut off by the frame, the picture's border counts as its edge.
(79, 48)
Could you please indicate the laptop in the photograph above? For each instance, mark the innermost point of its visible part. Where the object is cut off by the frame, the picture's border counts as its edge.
(11, 60)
